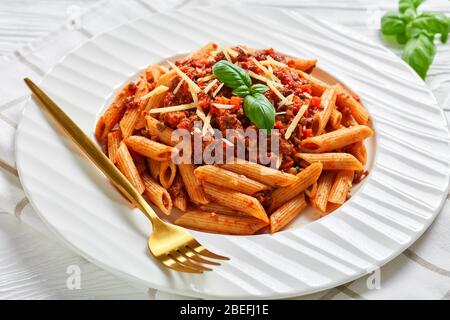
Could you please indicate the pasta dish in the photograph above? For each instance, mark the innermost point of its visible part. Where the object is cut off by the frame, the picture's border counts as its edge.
(239, 140)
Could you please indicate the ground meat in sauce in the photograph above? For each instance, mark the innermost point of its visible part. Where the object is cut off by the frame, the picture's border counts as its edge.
(177, 188)
(264, 197)
(228, 121)
(188, 122)
(359, 176)
(172, 119)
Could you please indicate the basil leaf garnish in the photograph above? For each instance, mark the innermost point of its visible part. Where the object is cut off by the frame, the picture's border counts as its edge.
(257, 108)
(416, 31)
(392, 23)
(419, 53)
(241, 91)
(231, 75)
(260, 111)
(258, 88)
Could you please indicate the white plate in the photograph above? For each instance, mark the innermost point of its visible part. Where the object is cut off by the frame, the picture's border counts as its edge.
(407, 185)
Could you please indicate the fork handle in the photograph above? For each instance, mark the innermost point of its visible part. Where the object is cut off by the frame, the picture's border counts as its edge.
(92, 151)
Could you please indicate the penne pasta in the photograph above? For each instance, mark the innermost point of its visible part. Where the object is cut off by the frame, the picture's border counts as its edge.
(128, 122)
(99, 129)
(127, 167)
(332, 161)
(343, 98)
(358, 149)
(305, 178)
(153, 99)
(316, 124)
(180, 203)
(154, 72)
(140, 163)
(287, 212)
(192, 184)
(111, 118)
(327, 102)
(154, 168)
(311, 190)
(149, 148)
(220, 209)
(324, 185)
(265, 175)
(157, 129)
(341, 186)
(335, 119)
(167, 173)
(229, 179)
(301, 64)
(336, 139)
(173, 114)
(157, 194)
(114, 139)
(114, 113)
(345, 101)
(213, 222)
(166, 79)
(178, 193)
(236, 200)
(205, 51)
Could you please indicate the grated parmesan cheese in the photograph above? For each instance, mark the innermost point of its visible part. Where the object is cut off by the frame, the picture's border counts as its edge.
(225, 53)
(223, 106)
(295, 121)
(288, 101)
(272, 62)
(279, 161)
(195, 99)
(178, 86)
(217, 90)
(210, 85)
(262, 79)
(207, 78)
(266, 71)
(157, 90)
(228, 142)
(202, 116)
(276, 91)
(233, 53)
(193, 87)
(206, 124)
(180, 107)
(243, 49)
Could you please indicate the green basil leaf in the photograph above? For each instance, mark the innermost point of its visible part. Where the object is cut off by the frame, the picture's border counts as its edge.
(401, 38)
(405, 5)
(419, 53)
(260, 111)
(231, 75)
(433, 23)
(409, 15)
(241, 91)
(392, 23)
(258, 88)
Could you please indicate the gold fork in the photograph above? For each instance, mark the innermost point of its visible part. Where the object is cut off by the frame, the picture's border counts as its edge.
(171, 245)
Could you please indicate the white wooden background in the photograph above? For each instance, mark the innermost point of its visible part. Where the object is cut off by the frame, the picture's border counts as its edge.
(33, 266)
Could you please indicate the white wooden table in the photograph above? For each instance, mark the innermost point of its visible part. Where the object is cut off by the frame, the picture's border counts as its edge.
(34, 266)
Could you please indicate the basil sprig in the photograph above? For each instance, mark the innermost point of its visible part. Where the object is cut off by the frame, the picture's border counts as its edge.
(256, 106)
(417, 32)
